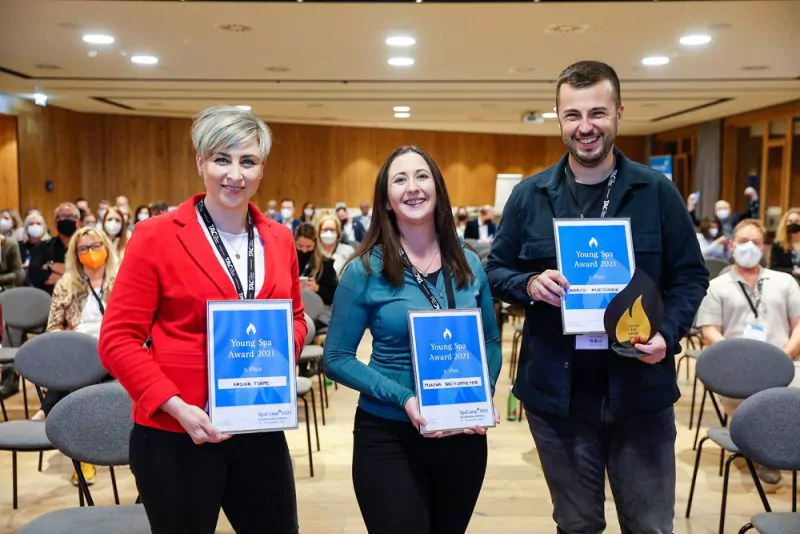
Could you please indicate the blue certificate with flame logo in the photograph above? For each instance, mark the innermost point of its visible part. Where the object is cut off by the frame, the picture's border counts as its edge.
(596, 258)
(451, 374)
(251, 365)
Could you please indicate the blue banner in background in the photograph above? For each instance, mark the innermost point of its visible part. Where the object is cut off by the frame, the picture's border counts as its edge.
(662, 164)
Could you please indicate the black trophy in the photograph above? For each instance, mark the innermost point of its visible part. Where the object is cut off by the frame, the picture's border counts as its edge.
(634, 315)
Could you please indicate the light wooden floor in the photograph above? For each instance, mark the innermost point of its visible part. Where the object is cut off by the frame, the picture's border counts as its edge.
(514, 497)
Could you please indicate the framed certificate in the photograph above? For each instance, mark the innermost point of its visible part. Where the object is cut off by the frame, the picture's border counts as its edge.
(252, 384)
(596, 258)
(451, 375)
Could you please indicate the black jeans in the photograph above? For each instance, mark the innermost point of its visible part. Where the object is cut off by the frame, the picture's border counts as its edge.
(183, 485)
(639, 454)
(406, 483)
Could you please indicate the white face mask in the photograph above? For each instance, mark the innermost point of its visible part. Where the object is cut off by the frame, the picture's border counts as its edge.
(142, 217)
(747, 255)
(328, 237)
(101, 214)
(35, 230)
(287, 214)
(713, 232)
(309, 212)
(723, 214)
(6, 225)
(113, 228)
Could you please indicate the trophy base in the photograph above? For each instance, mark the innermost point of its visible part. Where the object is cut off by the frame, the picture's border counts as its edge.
(627, 350)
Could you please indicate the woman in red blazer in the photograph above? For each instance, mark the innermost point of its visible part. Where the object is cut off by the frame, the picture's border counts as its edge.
(186, 470)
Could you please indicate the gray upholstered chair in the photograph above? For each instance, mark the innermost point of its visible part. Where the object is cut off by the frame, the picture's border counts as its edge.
(65, 361)
(737, 368)
(311, 353)
(716, 266)
(765, 429)
(92, 425)
(305, 388)
(25, 311)
(312, 303)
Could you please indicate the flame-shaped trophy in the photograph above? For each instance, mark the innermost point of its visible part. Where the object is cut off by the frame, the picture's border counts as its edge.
(634, 315)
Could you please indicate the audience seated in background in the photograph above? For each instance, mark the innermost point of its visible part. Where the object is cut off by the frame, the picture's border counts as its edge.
(316, 271)
(158, 207)
(82, 204)
(272, 209)
(11, 272)
(116, 228)
(309, 213)
(713, 244)
(329, 231)
(102, 208)
(483, 228)
(726, 220)
(122, 202)
(362, 222)
(11, 225)
(47, 258)
(35, 233)
(752, 302)
(286, 216)
(88, 219)
(142, 214)
(348, 230)
(785, 254)
(461, 217)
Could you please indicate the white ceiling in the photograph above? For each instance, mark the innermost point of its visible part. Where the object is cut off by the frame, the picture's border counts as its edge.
(479, 66)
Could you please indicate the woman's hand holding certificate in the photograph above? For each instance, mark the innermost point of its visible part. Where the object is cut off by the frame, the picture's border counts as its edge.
(412, 411)
(194, 420)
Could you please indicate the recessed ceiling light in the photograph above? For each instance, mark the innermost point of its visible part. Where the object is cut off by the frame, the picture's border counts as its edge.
(40, 99)
(402, 115)
(695, 40)
(401, 40)
(277, 69)
(236, 28)
(244, 108)
(751, 68)
(98, 38)
(401, 61)
(549, 115)
(401, 109)
(654, 61)
(47, 66)
(144, 60)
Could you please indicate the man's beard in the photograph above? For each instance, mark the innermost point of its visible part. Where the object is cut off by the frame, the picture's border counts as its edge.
(593, 159)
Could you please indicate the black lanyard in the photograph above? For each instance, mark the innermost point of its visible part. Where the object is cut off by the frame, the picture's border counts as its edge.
(612, 178)
(796, 258)
(423, 285)
(226, 258)
(98, 299)
(759, 288)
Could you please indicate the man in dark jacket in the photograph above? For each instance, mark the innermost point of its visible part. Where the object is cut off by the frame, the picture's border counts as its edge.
(592, 411)
(483, 228)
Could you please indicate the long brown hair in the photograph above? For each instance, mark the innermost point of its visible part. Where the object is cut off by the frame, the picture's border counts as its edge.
(383, 230)
(308, 231)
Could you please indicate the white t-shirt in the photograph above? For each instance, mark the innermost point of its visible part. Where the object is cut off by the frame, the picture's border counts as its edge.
(232, 243)
(91, 317)
(483, 232)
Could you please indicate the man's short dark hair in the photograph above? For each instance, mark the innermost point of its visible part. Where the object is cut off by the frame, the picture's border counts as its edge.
(288, 199)
(588, 73)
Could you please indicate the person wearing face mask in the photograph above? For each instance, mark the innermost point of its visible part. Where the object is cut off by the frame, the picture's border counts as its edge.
(47, 259)
(483, 228)
(272, 210)
(712, 243)
(329, 230)
(752, 302)
(286, 216)
(726, 220)
(79, 301)
(35, 233)
(785, 254)
(309, 212)
(11, 272)
(142, 214)
(115, 228)
(102, 208)
(461, 218)
(317, 272)
(11, 225)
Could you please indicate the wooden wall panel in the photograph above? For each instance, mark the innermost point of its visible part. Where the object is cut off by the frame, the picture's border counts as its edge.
(9, 163)
(150, 158)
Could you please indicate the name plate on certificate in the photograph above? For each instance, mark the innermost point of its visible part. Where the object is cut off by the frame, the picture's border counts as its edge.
(596, 258)
(252, 385)
(451, 375)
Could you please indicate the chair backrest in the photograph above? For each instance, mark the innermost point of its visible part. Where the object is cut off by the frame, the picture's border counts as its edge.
(766, 430)
(64, 361)
(25, 309)
(715, 266)
(738, 368)
(93, 425)
(313, 303)
(312, 330)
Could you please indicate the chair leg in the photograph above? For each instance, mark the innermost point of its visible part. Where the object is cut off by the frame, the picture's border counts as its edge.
(25, 398)
(321, 395)
(324, 379)
(3, 407)
(700, 417)
(114, 484)
(314, 413)
(14, 479)
(757, 482)
(308, 437)
(83, 487)
(794, 491)
(748, 526)
(41, 460)
(725, 479)
(723, 418)
(694, 476)
(721, 459)
(694, 396)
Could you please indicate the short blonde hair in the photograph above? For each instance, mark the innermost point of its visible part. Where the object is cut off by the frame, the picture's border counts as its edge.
(750, 222)
(221, 128)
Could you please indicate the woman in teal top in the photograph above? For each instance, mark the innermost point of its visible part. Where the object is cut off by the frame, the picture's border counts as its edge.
(404, 481)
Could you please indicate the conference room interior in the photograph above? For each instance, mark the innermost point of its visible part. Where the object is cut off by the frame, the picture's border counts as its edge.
(711, 87)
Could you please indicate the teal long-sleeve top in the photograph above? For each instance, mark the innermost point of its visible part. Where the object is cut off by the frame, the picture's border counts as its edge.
(367, 301)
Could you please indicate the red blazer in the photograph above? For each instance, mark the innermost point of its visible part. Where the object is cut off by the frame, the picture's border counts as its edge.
(169, 273)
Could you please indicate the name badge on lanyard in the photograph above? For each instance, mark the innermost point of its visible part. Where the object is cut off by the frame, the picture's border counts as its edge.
(755, 328)
(755, 331)
(591, 342)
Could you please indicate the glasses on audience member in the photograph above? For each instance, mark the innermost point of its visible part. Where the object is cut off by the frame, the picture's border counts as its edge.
(83, 249)
(66, 217)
